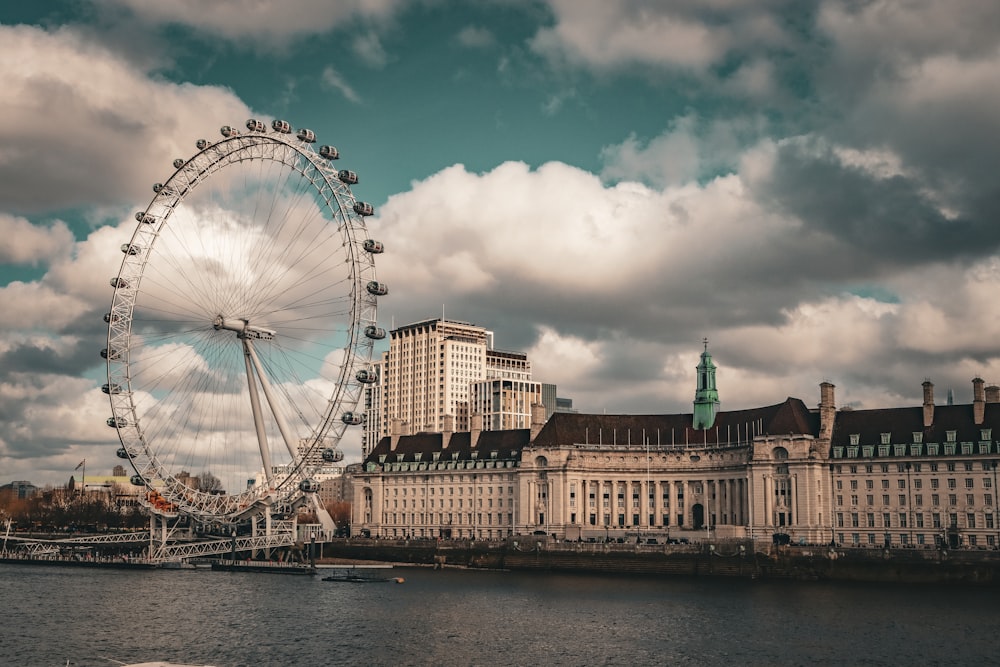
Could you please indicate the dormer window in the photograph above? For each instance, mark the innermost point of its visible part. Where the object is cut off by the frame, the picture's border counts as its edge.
(918, 437)
(494, 454)
(951, 436)
(855, 438)
(986, 434)
(886, 438)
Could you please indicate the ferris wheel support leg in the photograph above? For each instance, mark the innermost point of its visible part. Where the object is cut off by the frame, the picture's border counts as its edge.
(258, 417)
(323, 516)
(268, 394)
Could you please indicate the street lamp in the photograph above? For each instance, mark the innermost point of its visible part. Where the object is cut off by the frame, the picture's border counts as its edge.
(233, 536)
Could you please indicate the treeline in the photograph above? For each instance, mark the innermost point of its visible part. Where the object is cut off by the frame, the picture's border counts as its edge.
(57, 510)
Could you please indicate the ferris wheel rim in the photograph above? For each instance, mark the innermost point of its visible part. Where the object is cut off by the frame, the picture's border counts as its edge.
(340, 203)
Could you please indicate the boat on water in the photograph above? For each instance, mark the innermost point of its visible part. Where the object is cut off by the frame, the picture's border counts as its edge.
(361, 577)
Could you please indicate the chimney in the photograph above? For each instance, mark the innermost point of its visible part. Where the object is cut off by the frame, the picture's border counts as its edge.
(395, 430)
(978, 400)
(993, 394)
(475, 429)
(827, 410)
(928, 403)
(448, 427)
(537, 419)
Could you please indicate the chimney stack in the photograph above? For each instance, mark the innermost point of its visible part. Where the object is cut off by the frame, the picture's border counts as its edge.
(537, 419)
(978, 400)
(396, 428)
(993, 394)
(475, 429)
(827, 410)
(448, 427)
(928, 403)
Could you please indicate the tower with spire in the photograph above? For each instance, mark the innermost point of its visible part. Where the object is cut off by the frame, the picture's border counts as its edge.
(706, 396)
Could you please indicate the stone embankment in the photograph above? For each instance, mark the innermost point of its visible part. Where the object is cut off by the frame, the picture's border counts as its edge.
(741, 559)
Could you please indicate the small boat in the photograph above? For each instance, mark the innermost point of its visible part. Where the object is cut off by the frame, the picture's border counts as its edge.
(361, 577)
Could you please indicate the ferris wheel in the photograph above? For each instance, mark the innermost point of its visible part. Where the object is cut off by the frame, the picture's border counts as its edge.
(242, 325)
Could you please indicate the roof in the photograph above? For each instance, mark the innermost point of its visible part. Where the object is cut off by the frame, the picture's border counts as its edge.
(902, 423)
(789, 417)
(508, 444)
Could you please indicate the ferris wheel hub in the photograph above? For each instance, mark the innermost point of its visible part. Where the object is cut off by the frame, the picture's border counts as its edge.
(243, 328)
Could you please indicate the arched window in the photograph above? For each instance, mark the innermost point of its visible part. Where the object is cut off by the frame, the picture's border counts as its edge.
(779, 454)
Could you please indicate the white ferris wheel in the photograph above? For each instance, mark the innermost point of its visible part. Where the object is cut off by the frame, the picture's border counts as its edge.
(242, 325)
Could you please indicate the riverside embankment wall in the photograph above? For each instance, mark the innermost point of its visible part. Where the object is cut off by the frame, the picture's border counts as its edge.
(726, 559)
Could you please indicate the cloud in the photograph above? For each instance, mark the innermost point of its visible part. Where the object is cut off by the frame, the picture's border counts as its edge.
(334, 79)
(688, 36)
(25, 243)
(474, 37)
(118, 128)
(369, 48)
(264, 25)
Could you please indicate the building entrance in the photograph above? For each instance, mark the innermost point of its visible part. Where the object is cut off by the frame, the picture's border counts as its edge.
(698, 516)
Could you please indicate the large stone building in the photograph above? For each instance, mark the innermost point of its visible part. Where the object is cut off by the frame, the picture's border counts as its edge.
(897, 477)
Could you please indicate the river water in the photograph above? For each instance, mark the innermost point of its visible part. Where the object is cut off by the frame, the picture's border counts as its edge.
(55, 616)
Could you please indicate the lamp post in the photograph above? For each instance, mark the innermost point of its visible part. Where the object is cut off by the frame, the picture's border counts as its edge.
(233, 536)
(312, 549)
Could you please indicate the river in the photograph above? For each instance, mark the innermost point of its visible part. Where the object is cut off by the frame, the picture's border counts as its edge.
(56, 616)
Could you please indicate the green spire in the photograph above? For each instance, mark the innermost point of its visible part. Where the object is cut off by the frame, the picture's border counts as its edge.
(706, 397)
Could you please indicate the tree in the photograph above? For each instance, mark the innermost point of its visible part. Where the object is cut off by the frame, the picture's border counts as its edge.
(208, 482)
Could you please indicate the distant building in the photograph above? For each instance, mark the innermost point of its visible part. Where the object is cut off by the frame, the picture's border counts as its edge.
(19, 489)
(896, 477)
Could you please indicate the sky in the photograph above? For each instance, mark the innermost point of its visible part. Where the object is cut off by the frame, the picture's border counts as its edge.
(810, 186)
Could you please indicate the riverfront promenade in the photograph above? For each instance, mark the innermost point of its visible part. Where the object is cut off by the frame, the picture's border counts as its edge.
(723, 558)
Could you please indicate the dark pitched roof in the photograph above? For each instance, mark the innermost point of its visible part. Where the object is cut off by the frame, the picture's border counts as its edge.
(507, 443)
(789, 417)
(902, 423)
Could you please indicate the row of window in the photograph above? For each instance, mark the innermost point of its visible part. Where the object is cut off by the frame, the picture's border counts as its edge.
(901, 520)
(932, 466)
(888, 539)
(917, 483)
(918, 499)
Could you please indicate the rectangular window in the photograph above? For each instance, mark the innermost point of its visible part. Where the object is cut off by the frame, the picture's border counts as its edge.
(989, 519)
(885, 499)
(920, 519)
(968, 483)
(936, 520)
(854, 520)
(902, 520)
(970, 520)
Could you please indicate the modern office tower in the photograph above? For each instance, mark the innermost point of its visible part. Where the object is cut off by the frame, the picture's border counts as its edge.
(428, 370)
(505, 404)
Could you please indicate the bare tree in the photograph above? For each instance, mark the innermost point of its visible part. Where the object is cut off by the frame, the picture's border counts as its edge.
(209, 482)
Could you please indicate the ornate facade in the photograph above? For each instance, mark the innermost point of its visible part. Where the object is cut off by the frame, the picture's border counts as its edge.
(897, 477)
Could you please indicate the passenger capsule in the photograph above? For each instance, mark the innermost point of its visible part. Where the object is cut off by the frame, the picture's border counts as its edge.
(165, 190)
(122, 453)
(129, 249)
(117, 422)
(329, 152)
(363, 208)
(202, 144)
(118, 282)
(144, 218)
(309, 486)
(374, 332)
(178, 163)
(366, 376)
(228, 131)
(352, 418)
(347, 176)
(110, 353)
(111, 388)
(374, 247)
(307, 136)
(331, 455)
(281, 126)
(138, 480)
(255, 125)
(110, 317)
(377, 288)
